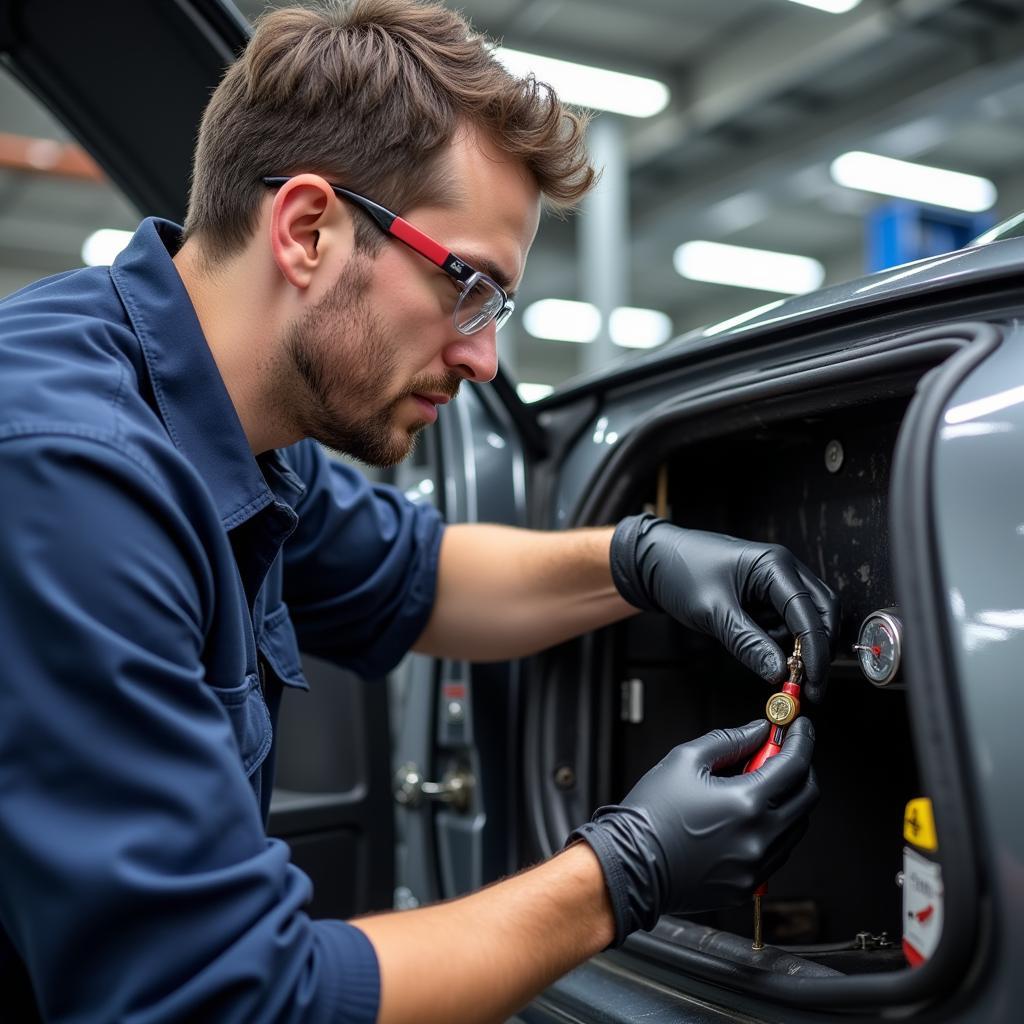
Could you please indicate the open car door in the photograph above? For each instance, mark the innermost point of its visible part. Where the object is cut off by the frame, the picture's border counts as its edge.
(457, 754)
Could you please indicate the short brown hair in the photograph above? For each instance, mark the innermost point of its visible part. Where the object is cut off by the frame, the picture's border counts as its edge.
(369, 93)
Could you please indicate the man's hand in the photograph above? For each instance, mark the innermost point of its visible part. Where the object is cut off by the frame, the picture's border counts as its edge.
(686, 839)
(708, 582)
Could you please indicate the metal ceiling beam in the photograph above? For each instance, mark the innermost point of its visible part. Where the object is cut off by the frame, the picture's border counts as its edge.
(780, 58)
(47, 156)
(773, 164)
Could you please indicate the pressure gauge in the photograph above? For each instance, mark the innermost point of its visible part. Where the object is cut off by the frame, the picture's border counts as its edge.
(879, 646)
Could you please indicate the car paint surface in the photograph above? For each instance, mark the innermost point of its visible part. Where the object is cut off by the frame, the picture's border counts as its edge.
(979, 514)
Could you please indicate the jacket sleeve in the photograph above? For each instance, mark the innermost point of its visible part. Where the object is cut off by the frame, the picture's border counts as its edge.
(137, 881)
(361, 568)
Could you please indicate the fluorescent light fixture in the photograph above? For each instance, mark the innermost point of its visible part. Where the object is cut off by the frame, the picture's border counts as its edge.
(562, 320)
(882, 174)
(533, 392)
(748, 268)
(830, 6)
(101, 247)
(631, 327)
(591, 87)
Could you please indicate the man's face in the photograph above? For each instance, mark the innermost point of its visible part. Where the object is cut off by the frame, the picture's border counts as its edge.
(373, 357)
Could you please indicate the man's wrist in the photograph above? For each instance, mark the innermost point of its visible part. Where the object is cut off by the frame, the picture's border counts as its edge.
(582, 861)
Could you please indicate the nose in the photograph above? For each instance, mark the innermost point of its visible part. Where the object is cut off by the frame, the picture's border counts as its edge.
(474, 356)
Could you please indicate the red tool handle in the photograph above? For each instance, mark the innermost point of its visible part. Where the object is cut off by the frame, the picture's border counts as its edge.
(772, 746)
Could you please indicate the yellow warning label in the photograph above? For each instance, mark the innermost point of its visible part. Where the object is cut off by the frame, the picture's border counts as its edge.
(919, 824)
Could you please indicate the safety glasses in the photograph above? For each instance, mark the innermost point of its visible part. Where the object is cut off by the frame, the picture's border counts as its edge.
(481, 299)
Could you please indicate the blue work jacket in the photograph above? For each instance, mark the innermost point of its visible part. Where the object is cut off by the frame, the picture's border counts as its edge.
(156, 583)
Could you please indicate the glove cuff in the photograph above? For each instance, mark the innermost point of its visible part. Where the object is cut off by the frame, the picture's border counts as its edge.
(626, 565)
(620, 839)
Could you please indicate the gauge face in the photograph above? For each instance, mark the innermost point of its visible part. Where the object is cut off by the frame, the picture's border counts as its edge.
(878, 647)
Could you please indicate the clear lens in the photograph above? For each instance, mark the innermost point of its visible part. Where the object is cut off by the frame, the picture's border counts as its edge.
(478, 305)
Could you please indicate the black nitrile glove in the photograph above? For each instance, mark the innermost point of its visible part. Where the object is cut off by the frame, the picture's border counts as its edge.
(685, 839)
(707, 580)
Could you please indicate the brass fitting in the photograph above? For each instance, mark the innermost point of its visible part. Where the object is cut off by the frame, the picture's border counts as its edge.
(782, 708)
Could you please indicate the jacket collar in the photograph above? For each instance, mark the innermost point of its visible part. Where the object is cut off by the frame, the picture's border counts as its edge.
(191, 398)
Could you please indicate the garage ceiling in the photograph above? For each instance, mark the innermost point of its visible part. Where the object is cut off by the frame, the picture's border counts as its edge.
(765, 93)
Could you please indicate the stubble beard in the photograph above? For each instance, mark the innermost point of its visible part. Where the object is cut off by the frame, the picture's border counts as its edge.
(342, 362)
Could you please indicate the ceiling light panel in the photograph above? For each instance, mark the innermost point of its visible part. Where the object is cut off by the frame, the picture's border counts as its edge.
(741, 267)
(562, 320)
(870, 172)
(586, 86)
(102, 246)
(631, 327)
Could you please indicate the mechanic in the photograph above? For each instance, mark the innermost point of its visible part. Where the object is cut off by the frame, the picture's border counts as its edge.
(172, 534)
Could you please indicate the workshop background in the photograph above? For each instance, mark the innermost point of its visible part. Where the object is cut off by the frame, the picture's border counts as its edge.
(737, 129)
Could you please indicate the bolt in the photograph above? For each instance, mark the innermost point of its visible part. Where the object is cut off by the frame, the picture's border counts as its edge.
(833, 456)
(565, 777)
(405, 899)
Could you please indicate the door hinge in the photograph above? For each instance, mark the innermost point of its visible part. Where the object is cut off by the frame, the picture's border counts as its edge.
(455, 789)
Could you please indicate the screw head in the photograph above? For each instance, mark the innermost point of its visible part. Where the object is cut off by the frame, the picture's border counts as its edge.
(404, 898)
(565, 777)
(833, 456)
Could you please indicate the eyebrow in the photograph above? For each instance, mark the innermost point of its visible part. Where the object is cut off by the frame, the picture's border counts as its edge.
(492, 270)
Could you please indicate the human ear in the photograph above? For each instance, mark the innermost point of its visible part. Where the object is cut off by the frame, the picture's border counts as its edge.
(303, 214)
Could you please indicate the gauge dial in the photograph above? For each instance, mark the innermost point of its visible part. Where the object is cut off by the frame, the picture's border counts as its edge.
(880, 645)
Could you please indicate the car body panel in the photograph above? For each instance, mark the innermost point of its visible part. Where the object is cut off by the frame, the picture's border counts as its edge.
(979, 512)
